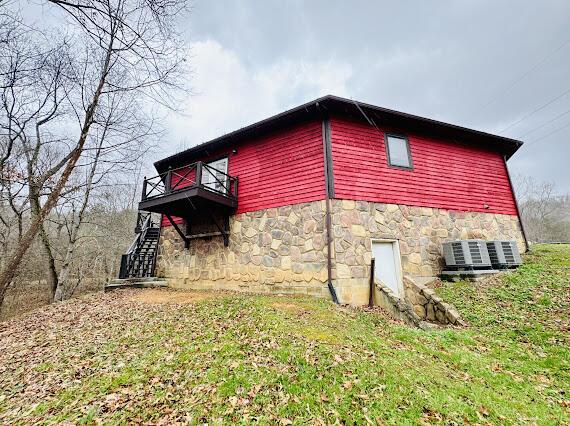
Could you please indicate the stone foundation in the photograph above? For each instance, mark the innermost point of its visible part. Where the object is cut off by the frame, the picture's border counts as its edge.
(283, 250)
(420, 231)
(277, 250)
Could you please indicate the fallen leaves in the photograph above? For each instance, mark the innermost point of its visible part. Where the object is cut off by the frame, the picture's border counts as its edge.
(128, 357)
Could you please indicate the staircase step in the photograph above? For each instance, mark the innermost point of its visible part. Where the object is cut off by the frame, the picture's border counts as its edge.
(141, 261)
(144, 282)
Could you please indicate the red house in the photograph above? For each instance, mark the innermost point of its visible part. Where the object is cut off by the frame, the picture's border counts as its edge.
(302, 201)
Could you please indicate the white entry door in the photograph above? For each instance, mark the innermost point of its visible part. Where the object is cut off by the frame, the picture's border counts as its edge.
(387, 268)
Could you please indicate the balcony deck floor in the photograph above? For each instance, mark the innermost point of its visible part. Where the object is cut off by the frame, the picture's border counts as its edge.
(179, 203)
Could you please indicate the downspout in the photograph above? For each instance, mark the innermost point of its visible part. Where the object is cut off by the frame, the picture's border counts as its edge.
(516, 205)
(329, 190)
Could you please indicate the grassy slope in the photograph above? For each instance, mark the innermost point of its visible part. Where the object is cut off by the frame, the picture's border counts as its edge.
(237, 358)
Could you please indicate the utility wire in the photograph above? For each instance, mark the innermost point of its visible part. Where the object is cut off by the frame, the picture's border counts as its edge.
(543, 124)
(540, 108)
(525, 74)
(541, 138)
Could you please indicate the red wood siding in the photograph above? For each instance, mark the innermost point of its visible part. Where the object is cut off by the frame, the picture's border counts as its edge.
(286, 167)
(446, 174)
(281, 169)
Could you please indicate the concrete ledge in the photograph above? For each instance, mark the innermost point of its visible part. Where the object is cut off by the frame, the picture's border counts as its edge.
(473, 275)
(147, 282)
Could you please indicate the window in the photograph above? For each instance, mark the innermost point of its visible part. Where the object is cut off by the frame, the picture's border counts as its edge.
(398, 151)
(215, 175)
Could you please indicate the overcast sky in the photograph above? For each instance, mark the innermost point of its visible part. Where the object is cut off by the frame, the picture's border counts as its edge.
(480, 64)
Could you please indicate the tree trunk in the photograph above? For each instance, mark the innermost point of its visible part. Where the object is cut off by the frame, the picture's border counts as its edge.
(62, 287)
(50, 261)
(9, 271)
(2, 294)
(63, 290)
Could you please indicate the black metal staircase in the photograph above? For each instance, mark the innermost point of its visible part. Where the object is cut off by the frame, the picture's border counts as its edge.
(140, 259)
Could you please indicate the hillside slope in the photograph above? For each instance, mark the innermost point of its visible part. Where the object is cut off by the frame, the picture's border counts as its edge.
(162, 357)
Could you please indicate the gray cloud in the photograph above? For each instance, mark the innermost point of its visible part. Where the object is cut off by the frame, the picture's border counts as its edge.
(444, 59)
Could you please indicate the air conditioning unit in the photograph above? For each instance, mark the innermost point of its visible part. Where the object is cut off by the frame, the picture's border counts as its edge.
(466, 254)
(504, 254)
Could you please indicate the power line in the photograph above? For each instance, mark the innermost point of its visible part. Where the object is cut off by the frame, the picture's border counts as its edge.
(547, 135)
(543, 124)
(540, 108)
(525, 74)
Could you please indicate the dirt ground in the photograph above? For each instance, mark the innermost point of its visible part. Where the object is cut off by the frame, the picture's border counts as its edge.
(162, 296)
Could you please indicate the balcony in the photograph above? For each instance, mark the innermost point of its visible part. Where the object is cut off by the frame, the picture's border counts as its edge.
(196, 188)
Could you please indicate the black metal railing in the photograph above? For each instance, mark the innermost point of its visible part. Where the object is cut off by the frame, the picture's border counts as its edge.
(144, 219)
(187, 177)
(140, 258)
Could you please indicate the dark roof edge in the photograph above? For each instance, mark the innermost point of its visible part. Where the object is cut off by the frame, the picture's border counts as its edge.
(427, 120)
(512, 145)
(239, 131)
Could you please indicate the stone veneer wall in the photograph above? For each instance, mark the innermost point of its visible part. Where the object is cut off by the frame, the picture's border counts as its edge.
(429, 306)
(283, 250)
(277, 250)
(420, 231)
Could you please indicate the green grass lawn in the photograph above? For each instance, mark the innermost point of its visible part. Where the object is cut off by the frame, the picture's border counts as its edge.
(111, 358)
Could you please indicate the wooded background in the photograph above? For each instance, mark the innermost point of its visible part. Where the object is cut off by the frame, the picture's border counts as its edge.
(80, 109)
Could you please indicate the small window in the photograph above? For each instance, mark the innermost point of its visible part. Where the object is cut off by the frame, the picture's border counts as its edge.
(398, 151)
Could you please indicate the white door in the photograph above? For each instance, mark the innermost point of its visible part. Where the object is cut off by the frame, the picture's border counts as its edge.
(387, 265)
(215, 175)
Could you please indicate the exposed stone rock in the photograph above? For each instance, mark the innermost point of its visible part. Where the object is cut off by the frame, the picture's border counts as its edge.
(309, 256)
(452, 316)
(440, 316)
(319, 242)
(297, 268)
(287, 238)
(343, 271)
(293, 218)
(430, 312)
(420, 311)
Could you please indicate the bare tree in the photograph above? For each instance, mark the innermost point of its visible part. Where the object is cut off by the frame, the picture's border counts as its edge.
(545, 212)
(31, 93)
(127, 51)
(115, 154)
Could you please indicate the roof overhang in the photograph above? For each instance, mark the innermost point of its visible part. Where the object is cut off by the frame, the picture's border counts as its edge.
(334, 105)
